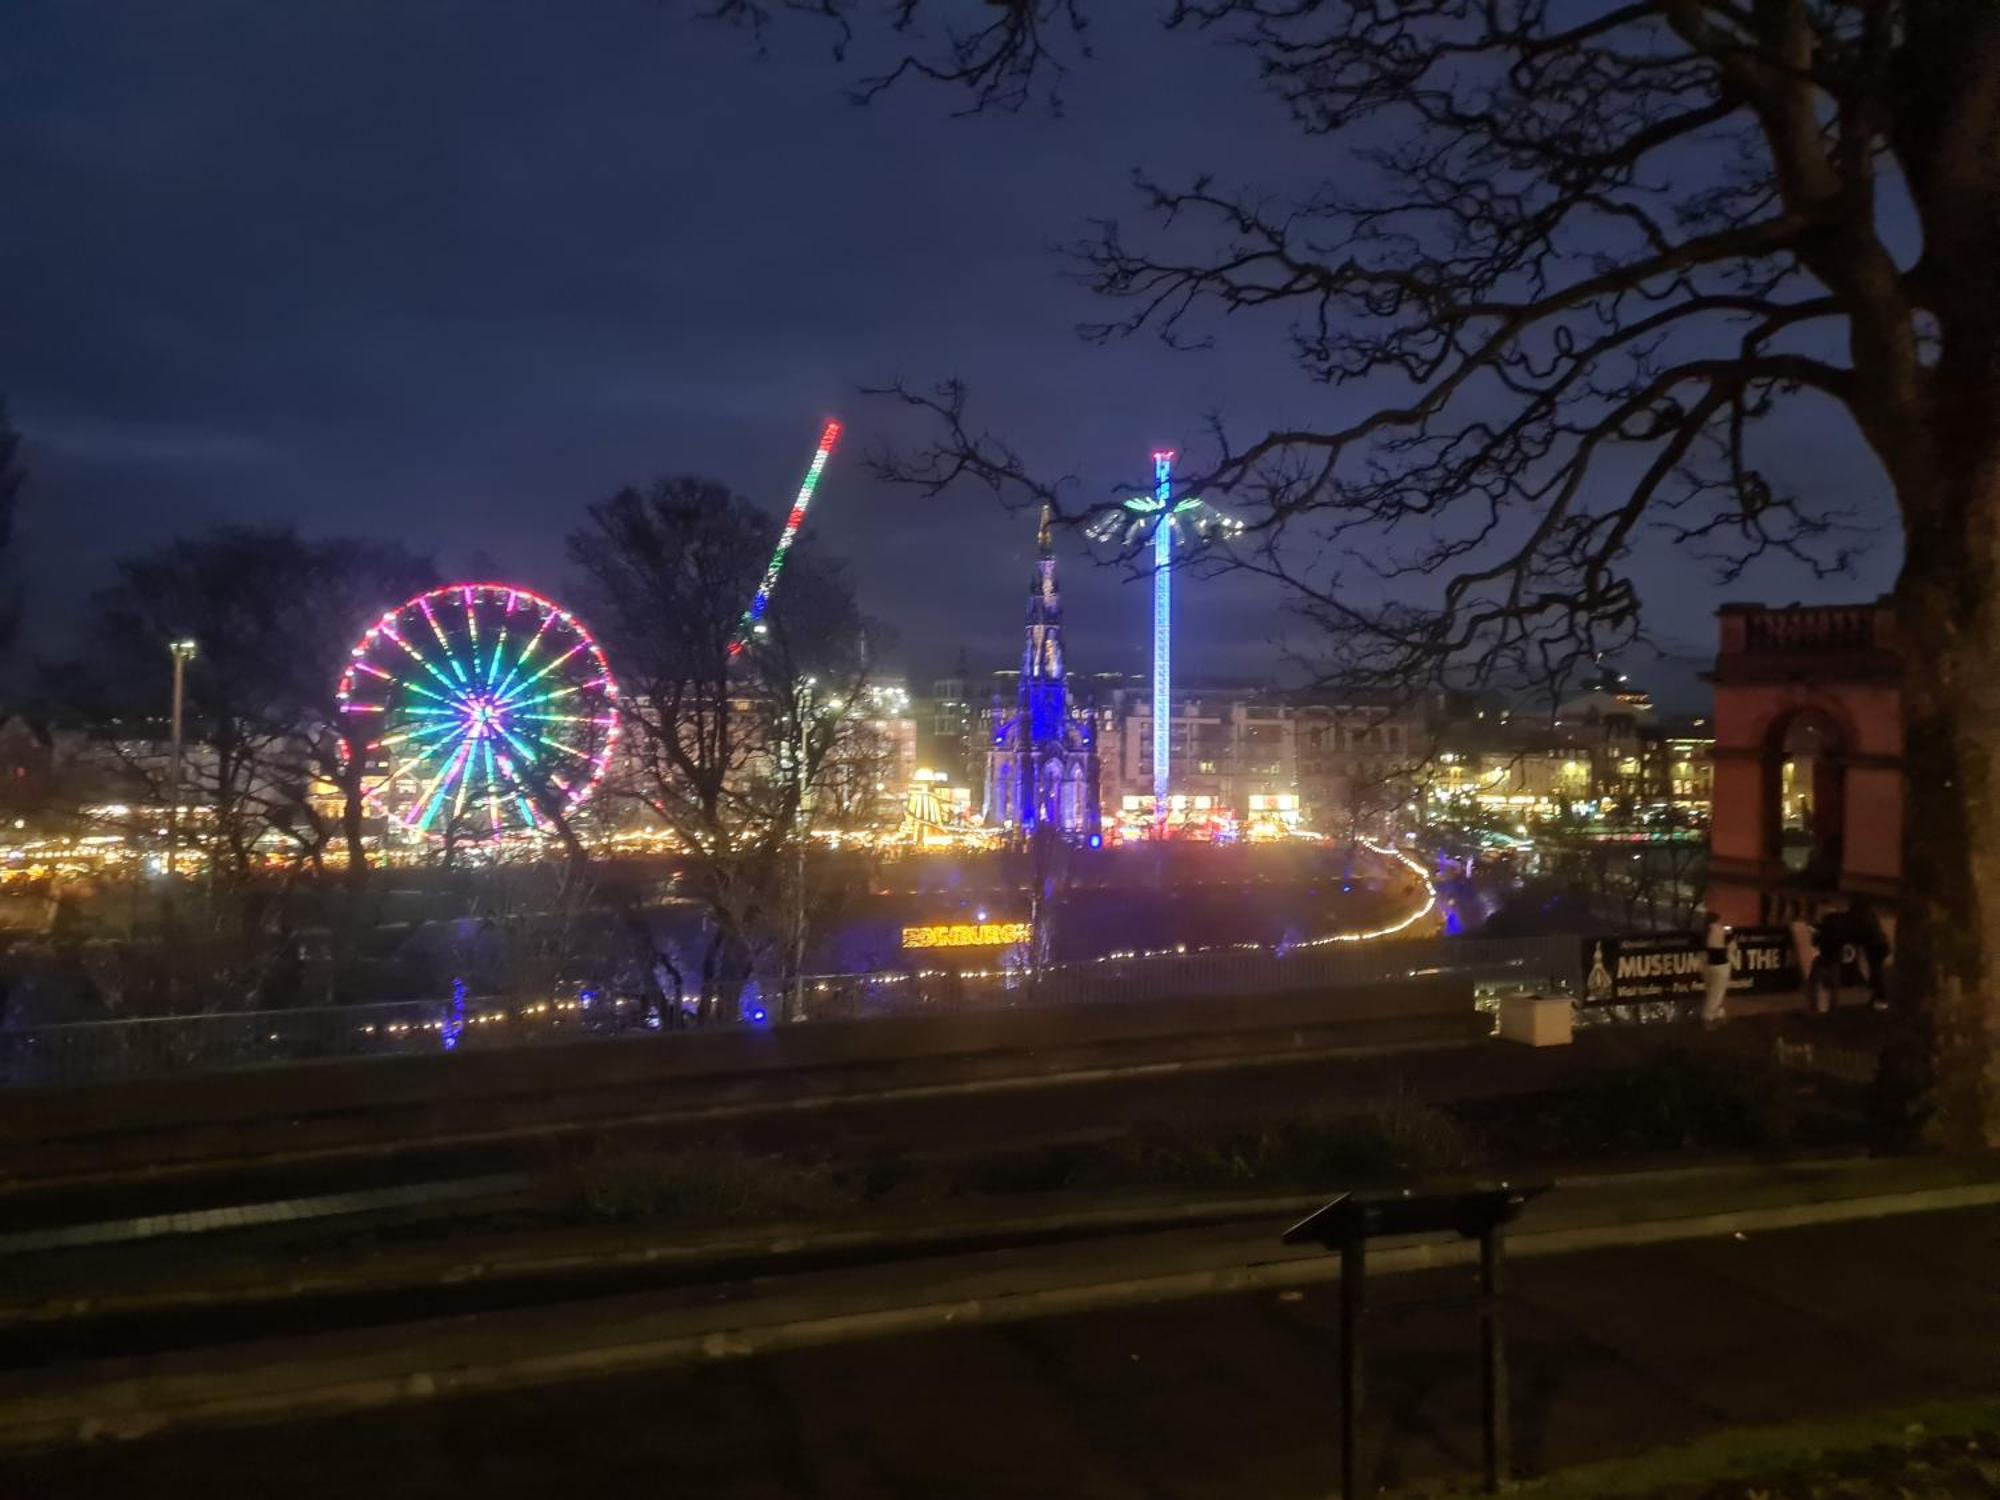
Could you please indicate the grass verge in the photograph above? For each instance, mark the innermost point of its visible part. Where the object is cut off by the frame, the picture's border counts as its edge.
(1662, 1102)
(1938, 1451)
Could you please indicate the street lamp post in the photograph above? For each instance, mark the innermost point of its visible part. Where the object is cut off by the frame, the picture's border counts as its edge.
(182, 652)
(796, 1008)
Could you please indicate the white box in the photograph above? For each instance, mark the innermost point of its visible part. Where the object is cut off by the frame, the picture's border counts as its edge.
(1538, 1020)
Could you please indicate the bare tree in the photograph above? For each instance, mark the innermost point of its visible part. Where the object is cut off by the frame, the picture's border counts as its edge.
(1573, 257)
(273, 617)
(726, 749)
(857, 790)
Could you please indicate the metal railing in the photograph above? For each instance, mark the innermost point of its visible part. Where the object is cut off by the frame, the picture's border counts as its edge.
(1216, 972)
(156, 1046)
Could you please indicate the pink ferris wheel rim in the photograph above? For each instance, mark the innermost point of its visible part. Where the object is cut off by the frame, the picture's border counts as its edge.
(487, 694)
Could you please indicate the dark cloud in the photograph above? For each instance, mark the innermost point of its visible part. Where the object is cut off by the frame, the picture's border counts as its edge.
(448, 271)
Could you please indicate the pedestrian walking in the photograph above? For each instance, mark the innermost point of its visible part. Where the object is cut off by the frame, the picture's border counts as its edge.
(1716, 944)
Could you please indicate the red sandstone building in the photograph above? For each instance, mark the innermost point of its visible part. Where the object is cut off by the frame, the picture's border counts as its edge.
(1808, 810)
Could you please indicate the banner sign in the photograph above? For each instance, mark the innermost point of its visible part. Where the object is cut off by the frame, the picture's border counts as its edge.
(967, 935)
(1673, 965)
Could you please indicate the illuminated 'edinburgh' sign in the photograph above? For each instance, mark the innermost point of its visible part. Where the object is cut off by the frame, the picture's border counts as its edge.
(966, 935)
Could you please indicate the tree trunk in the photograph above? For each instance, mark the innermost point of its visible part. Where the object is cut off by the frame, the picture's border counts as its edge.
(352, 811)
(652, 959)
(710, 976)
(1948, 940)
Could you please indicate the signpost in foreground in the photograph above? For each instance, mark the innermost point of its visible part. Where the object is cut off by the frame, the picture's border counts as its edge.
(1348, 1223)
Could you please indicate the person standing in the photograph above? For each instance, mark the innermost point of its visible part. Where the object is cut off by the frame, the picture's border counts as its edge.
(1830, 940)
(1872, 942)
(1715, 971)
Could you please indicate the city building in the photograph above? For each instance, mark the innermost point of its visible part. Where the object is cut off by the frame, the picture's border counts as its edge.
(1808, 809)
(872, 764)
(949, 723)
(1041, 764)
(1678, 765)
(1224, 748)
(860, 787)
(1357, 763)
(1260, 759)
(1605, 754)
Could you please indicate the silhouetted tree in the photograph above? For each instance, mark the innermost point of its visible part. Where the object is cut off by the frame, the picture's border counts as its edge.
(1571, 259)
(727, 751)
(273, 616)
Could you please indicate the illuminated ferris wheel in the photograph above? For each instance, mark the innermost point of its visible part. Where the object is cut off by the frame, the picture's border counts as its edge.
(481, 710)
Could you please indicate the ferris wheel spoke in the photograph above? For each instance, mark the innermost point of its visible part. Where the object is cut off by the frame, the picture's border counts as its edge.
(492, 784)
(454, 659)
(443, 723)
(499, 650)
(423, 661)
(544, 671)
(418, 687)
(524, 751)
(520, 793)
(544, 701)
(441, 728)
(464, 787)
(423, 715)
(430, 615)
(435, 795)
(527, 652)
(503, 689)
(546, 730)
(437, 630)
(440, 758)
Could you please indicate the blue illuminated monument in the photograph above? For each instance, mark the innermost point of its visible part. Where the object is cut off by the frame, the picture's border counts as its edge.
(1168, 520)
(1042, 769)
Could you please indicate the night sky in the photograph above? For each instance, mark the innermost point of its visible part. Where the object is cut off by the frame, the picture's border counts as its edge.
(449, 270)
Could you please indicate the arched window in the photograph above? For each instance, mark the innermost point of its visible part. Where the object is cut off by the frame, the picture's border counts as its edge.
(1805, 779)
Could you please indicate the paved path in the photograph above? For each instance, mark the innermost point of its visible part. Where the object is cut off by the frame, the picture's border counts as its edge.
(1613, 1351)
(250, 1215)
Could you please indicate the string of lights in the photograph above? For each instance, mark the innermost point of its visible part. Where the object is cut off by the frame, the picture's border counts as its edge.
(829, 984)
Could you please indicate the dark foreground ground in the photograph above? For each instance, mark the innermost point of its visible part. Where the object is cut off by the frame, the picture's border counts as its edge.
(1613, 1352)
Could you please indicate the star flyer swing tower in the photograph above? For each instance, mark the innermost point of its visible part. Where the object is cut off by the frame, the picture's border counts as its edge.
(1168, 520)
